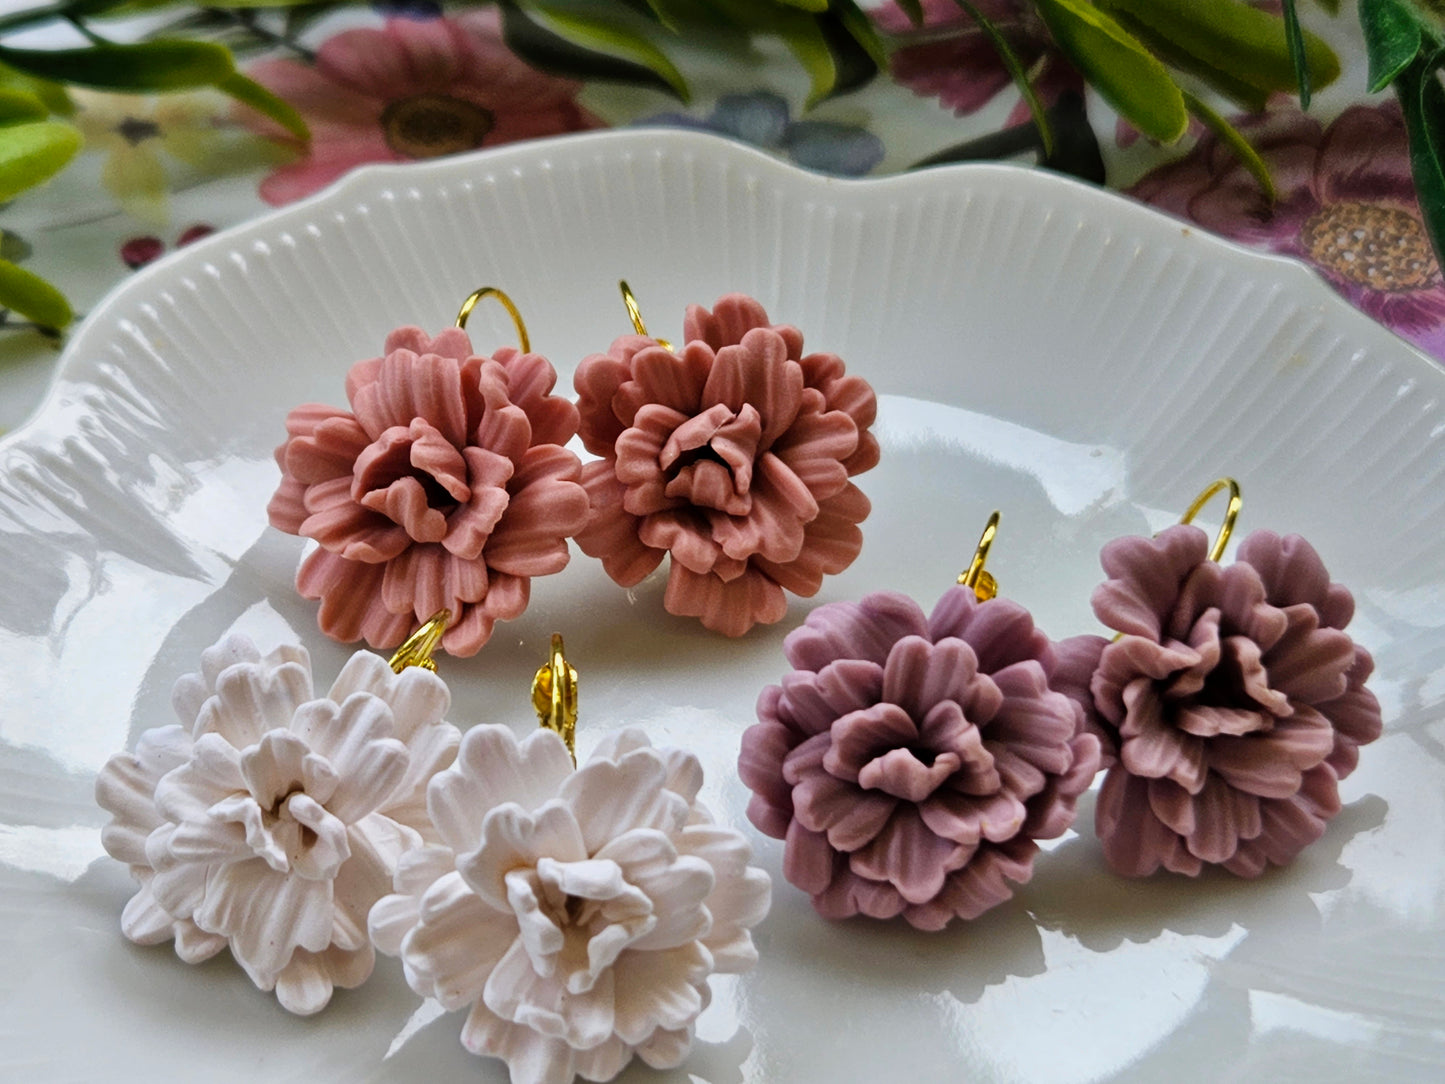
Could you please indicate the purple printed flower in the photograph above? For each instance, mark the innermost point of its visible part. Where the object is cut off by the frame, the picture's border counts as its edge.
(1234, 699)
(911, 762)
(956, 62)
(1346, 205)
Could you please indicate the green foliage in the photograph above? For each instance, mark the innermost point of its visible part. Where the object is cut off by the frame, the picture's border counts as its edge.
(1016, 73)
(1231, 137)
(1231, 37)
(1119, 66)
(28, 294)
(32, 152)
(149, 66)
(1406, 51)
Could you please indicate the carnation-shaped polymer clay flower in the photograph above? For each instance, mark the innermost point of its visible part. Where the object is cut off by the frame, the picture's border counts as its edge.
(272, 820)
(733, 455)
(445, 486)
(911, 761)
(1236, 701)
(576, 914)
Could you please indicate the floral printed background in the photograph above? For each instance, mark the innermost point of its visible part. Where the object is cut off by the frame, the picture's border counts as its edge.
(399, 83)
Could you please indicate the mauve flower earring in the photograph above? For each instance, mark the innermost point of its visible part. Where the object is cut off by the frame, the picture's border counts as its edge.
(732, 455)
(575, 913)
(910, 762)
(270, 820)
(1232, 701)
(445, 486)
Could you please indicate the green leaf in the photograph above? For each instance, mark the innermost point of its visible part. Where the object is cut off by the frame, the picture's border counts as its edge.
(153, 65)
(51, 95)
(1246, 95)
(816, 7)
(34, 152)
(20, 105)
(1231, 137)
(1393, 39)
(1422, 100)
(1294, 37)
(805, 41)
(1016, 72)
(1119, 67)
(582, 48)
(249, 92)
(28, 294)
(1231, 36)
(856, 24)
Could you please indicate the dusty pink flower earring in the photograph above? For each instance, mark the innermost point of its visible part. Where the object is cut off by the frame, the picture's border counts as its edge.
(911, 761)
(731, 455)
(445, 486)
(270, 820)
(1232, 701)
(575, 913)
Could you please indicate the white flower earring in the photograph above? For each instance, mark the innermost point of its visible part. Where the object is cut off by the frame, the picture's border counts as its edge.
(270, 820)
(576, 913)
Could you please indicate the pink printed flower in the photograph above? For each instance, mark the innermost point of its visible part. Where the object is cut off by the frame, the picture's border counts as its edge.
(956, 62)
(445, 486)
(412, 89)
(1234, 699)
(733, 455)
(911, 762)
(1346, 206)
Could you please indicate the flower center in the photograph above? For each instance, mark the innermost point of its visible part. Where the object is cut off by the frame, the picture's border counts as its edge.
(431, 125)
(134, 130)
(1381, 248)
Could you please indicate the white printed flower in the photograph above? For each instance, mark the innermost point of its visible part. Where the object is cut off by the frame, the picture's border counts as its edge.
(272, 820)
(578, 914)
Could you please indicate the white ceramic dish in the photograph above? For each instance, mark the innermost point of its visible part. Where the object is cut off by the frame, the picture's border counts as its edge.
(1041, 347)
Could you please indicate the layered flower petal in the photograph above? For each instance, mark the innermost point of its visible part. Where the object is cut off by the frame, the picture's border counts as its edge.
(579, 914)
(270, 831)
(732, 455)
(910, 761)
(445, 487)
(1230, 693)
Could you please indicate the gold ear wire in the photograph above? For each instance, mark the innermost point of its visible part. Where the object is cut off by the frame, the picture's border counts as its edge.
(635, 314)
(417, 649)
(1231, 512)
(976, 576)
(506, 302)
(554, 696)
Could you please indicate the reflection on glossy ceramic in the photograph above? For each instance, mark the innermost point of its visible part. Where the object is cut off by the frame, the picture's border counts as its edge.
(1038, 347)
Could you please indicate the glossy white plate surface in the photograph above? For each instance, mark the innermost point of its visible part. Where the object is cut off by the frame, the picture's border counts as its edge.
(1040, 347)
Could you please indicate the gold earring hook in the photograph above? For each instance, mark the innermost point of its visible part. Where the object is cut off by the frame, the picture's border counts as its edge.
(976, 576)
(554, 696)
(635, 314)
(418, 647)
(506, 302)
(1231, 512)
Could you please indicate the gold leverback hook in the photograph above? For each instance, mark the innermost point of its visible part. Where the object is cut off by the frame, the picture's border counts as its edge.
(976, 576)
(506, 302)
(635, 314)
(417, 649)
(554, 696)
(1231, 512)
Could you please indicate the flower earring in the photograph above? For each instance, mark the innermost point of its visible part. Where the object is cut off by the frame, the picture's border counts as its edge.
(576, 913)
(732, 455)
(1232, 702)
(269, 820)
(909, 761)
(445, 486)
